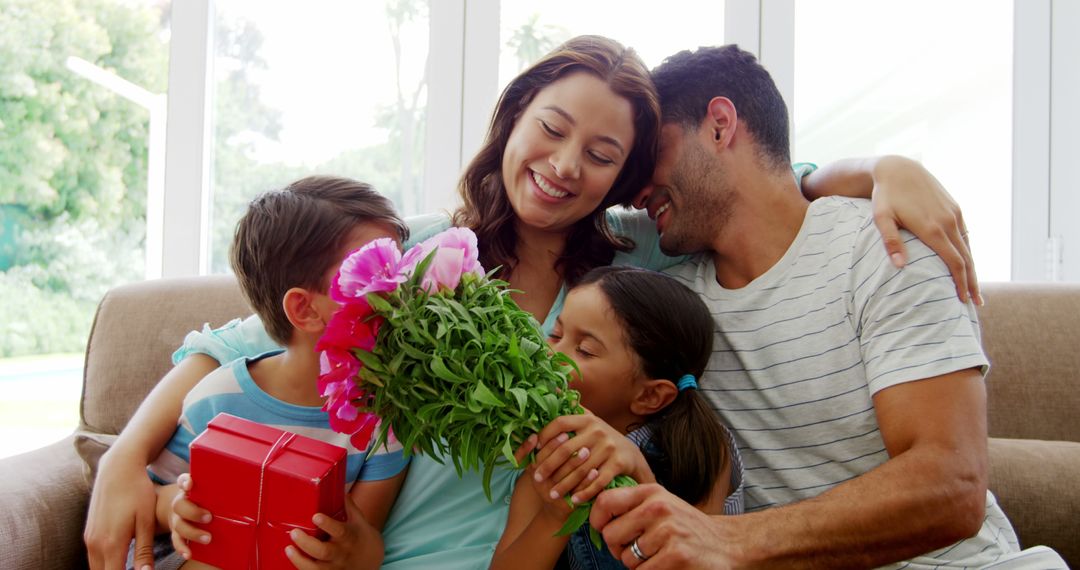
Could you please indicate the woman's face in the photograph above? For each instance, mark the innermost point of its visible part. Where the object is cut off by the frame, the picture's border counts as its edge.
(589, 332)
(565, 151)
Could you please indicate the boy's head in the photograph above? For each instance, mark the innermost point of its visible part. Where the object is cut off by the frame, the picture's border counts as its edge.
(297, 237)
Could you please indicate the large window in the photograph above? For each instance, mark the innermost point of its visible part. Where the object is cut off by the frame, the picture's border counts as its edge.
(398, 92)
(926, 79)
(330, 86)
(81, 85)
(531, 28)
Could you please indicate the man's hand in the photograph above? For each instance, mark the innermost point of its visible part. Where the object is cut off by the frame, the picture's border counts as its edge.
(669, 532)
(121, 506)
(352, 544)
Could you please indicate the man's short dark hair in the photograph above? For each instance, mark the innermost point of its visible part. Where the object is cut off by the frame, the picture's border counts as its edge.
(687, 81)
(293, 237)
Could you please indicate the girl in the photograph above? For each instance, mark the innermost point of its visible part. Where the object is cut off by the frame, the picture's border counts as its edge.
(537, 195)
(640, 339)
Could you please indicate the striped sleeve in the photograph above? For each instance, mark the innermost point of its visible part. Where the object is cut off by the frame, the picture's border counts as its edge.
(910, 323)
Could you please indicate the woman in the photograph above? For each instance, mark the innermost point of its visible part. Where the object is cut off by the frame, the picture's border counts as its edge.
(571, 136)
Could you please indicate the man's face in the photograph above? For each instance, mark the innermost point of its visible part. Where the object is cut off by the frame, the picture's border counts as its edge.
(689, 197)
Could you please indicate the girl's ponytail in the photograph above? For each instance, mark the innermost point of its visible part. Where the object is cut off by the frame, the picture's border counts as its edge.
(690, 447)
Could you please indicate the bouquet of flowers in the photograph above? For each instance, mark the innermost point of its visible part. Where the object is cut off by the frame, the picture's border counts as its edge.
(430, 350)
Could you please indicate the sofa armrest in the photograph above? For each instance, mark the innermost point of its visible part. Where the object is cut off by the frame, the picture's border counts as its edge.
(43, 501)
(1035, 484)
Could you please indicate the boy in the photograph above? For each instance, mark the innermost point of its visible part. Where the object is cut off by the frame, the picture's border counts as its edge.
(287, 248)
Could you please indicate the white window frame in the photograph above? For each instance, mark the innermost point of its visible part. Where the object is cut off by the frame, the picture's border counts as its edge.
(1046, 196)
(463, 88)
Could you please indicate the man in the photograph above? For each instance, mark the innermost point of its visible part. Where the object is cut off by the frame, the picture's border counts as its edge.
(854, 388)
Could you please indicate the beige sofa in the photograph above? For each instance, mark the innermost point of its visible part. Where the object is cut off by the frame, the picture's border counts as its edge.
(1031, 332)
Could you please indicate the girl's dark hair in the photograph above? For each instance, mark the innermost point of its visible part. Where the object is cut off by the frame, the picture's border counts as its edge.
(671, 330)
(487, 211)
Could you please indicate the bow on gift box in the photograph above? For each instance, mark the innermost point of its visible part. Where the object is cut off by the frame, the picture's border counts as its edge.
(260, 483)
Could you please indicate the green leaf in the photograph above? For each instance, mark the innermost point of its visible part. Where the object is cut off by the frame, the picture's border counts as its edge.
(577, 518)
(421, 269)
(489, 470)
(370, 360)
(378, 303)
(440, 370)
(521, 397)
(597, 540)
(529, 347)
(508, 451)
(484, 395)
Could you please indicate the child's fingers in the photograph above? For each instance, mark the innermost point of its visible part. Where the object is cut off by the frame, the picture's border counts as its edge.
(311, 546)
(187, 510)
(579, 463)
(588, 489)
(180, 545)
(572, 451)
(184, 482)
(551, 447)
(298, 559)
(564, 424)
(571, 481)
(187, 531)
(332, 526)
(525, 449)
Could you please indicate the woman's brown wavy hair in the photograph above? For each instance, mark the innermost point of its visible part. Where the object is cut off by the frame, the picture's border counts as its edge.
(486, 209)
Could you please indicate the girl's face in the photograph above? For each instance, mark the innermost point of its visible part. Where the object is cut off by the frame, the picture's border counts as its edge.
(590, 333)
(565, 151)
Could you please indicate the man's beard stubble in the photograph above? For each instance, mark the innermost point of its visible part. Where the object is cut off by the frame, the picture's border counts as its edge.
(706, 203)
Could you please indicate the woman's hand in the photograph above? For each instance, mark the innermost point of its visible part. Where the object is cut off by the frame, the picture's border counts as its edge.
(906, 195)
(583, 464)
(121, 506)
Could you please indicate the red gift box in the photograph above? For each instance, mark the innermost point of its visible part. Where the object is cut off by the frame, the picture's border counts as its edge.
(260, 483)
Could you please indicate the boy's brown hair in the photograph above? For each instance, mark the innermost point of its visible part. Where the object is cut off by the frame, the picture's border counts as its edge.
(293, 237)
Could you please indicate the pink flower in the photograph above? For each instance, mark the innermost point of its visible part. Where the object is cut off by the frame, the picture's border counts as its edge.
(362, 436)
(455, 255)
(351, 326)
(462, 239)
(372, 268)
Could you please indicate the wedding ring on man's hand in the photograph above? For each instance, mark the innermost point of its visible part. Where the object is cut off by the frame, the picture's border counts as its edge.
(637, 551)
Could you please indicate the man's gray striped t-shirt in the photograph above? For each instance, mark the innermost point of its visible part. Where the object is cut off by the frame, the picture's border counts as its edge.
(800, 351)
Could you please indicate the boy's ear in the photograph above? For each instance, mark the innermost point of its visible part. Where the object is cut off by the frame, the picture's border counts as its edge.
(653, 396)
(300, 308)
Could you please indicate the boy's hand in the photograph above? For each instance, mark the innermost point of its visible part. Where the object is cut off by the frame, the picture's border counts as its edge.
(352, 544)
(184, 513)
(585, 463)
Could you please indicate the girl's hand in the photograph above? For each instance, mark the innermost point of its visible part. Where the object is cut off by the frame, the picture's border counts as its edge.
(352, 544)
(585, 463)
(184, 514)
(906, 195)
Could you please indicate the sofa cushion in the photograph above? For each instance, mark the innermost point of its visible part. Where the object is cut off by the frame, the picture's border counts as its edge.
(1033, 388)
(136, 329)
(1035, 484)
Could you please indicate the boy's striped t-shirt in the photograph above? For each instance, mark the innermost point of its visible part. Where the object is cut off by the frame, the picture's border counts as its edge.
(800, 351)
(231, 389)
